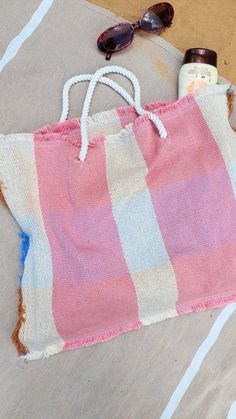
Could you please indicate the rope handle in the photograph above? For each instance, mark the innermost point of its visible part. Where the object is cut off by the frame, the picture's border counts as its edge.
(87, 77)
(94, 79)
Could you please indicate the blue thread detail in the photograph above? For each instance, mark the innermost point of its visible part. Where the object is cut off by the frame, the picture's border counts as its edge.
(24, 247)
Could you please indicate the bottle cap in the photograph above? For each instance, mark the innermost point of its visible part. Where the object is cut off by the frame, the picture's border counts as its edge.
(200, 55)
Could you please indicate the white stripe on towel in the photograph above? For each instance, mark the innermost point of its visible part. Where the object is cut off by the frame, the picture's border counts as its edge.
(232, 411)
(25, 33)
(197, 361)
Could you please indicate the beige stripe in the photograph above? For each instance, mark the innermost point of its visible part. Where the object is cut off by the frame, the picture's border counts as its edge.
(126, 168)
(104, 123)
(214, 107)
(18, 172)
(155, 285)
(156, 293)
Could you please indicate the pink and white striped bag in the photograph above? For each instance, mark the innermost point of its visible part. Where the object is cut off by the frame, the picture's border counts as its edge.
(127, 217)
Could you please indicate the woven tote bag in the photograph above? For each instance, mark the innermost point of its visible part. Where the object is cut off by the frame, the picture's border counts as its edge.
(127, 217)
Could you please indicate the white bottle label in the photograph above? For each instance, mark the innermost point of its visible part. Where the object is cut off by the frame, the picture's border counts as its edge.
(195, 75)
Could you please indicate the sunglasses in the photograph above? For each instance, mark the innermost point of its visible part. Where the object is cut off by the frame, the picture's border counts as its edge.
(155, 19)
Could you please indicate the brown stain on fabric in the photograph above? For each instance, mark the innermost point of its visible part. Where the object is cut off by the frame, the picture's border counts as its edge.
(15, 337)
(2, 199)
(162, 69)
(230, 102)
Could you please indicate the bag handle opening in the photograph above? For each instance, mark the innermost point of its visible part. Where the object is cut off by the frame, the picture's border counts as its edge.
(94, 79)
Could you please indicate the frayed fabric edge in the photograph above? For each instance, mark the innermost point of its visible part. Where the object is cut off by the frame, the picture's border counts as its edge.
(196, 306)
(154, 319)
(15, 337)
(46, 353)
(83, 342)
(80, 343)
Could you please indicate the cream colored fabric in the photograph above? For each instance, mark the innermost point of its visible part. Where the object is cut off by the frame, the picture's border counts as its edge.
(136, 374)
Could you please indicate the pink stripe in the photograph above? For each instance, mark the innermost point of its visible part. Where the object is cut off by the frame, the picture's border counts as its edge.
(193, 201)
(129, 114)
(189, 150)
(93, 293)
(207, 273)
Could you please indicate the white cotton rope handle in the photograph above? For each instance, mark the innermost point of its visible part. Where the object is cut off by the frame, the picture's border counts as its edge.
(87, 77)
(94, 79)
(137, 103)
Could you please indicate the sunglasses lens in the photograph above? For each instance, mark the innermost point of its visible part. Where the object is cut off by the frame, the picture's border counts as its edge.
(116, 38)
(157, 17)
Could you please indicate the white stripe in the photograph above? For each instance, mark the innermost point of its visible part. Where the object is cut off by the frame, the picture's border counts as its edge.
(232, 411)
(197, 361)
(25, 33)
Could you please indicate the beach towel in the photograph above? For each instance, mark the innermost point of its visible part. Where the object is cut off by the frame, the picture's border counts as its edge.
(127, 217)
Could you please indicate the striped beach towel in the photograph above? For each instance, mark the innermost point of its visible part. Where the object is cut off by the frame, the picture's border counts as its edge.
(127, 217)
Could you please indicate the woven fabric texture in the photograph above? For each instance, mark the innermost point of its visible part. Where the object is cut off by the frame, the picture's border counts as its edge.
(143, 230)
